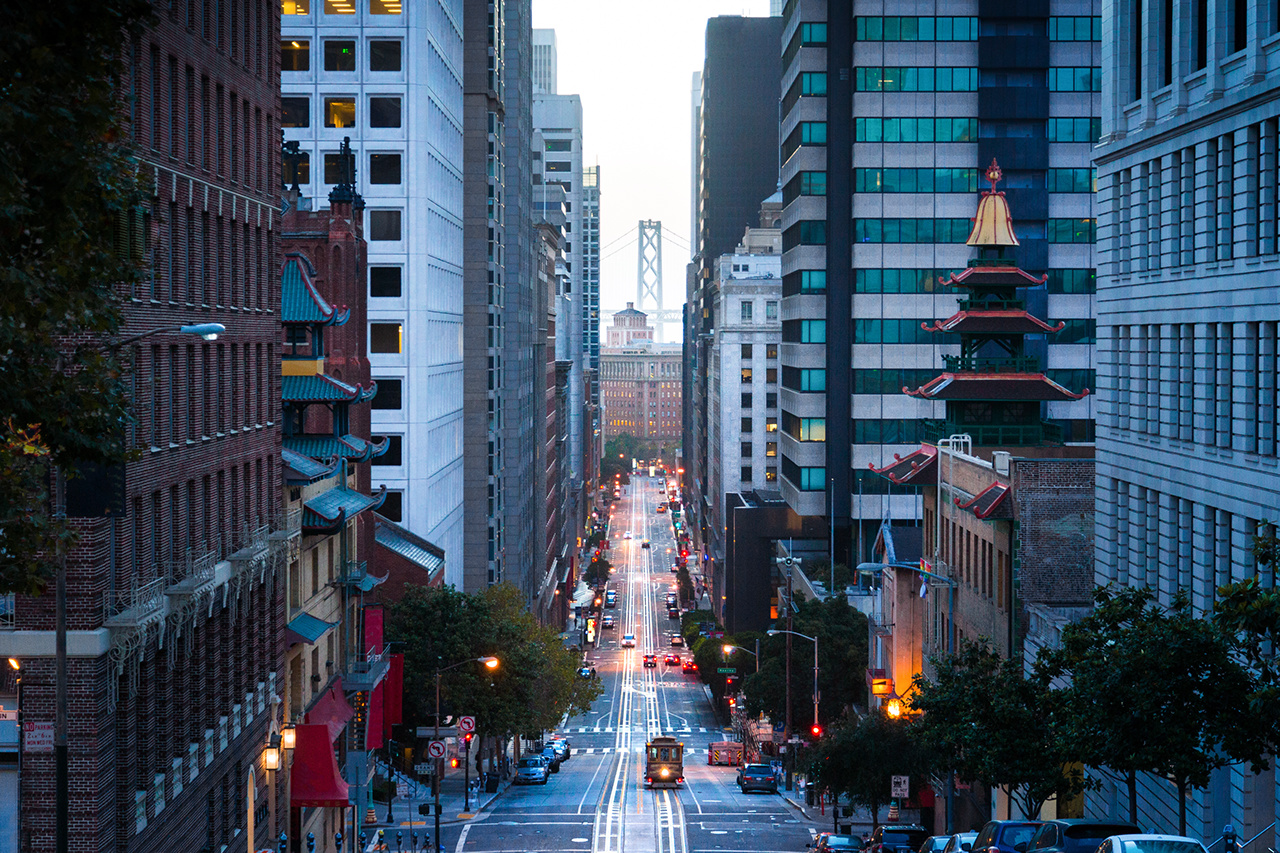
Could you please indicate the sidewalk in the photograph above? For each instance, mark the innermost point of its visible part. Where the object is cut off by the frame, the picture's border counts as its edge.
(455, 808)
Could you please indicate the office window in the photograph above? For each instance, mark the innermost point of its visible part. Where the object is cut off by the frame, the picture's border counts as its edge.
(384, 55)
(1075, 28)
(746, 351)
(339, 112)
(746, 425)
(1081, 79)
(771, 400)
(384, 7)
(911, 230)
(746, 400)
(804, 479)
(1071, 181)
(813, 83)
(746, 450)
(295, 7)
(746, 473)
(771, 375)
(339, 7)
(915, 129)
(386, 338)
(898, 28)
(813, 133)
(771, 310)
(746, 374)
(384, 225)
(915, 180)
(1071, 230)
(384, 168)
(771, 475)
(394, 454)
(771, 351)
(915, 79)
(339, 55)
(393, 506)
(295, 55)
(296, 169)
(745, 309)
(333, 168)
(295, 112)
(384, 282)
(1072, 281)
(384, 112)
(1074, 129)
(389, 394)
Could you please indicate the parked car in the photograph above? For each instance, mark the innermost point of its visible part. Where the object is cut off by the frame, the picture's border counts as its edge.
(628, 641)
(552, 756)
(584, 671)
(1137, 843)
(532, 771)
(688, 666)
(898, 838)
(673, 612)
(650, 660)
(934, 844)
(757, 777)
(1006, 836)
(607, 621)
(561, 746)
(831, 841)
(961, 842)
(1077, 835)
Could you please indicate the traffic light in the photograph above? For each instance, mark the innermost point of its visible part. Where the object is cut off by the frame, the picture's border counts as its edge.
(684, 552)
(454, 763)
(467, 738)
(817, 730)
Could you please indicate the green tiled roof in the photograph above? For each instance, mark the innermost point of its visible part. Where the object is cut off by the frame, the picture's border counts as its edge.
(330, 509)
(308, 628)
(328, 446)
(318, 389)
(300, 302)
(305, 468)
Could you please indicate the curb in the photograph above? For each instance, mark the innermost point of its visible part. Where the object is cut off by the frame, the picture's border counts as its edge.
(797, 807)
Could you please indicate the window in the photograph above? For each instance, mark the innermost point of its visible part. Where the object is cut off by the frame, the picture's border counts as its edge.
(384, 168)
(384, 112)
(804, 429)
(384, 225)
(915, 180)
(813, 83)
(394, 454)
(805, 380)
(1073, 281)
(295, 112)
(1082, 79)
(746, 374)
(804, 281)
(804, 183)
(746, 425)
(384, 56)
(771, 475)
(389, 394)
(899, 330)
(745, 308)
(804, 479)
(771, 400)
(558, 145)
(393, 506)
(746, 400)
(896, 28)
(384, 7)
(771, 310)
(339, 55)
(913, 79)
(384, 282)
(771, 375)
(1072, 231)
(339, 7)
(890, 380)
(1071, 181)
(339, 112)
(746, 473)
(296, 169)
(771, 351)
(385, 338)
(746, 450)
(746, 351)
(804, 331)
(1074, 129)
(806, 233)
(811, 34)
(813, 133)
(295, 7)
(295, 55)
(1075, 29)
(911, 230)
(771, 425)
(915, 130)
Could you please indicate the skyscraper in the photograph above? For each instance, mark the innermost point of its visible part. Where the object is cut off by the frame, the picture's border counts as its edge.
(372, 72)
(887, 123)
(1188, 304)
(544, 62)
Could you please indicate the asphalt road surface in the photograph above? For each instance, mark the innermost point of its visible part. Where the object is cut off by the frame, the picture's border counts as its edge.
(598, 803)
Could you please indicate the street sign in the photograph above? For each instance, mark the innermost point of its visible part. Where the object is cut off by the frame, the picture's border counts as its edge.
(435, 749)
(37, 737)
(466, 724)
(900, 787)
(423, 769)
(402, 789)
(727, 670)
(430, 731)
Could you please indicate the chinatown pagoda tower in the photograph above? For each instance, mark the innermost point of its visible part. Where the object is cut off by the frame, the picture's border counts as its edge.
(993, 389)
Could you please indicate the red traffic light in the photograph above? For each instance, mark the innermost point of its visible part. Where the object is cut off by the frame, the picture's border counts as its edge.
(467, 737)
(817, 731)
(684, 552)
(453, 762)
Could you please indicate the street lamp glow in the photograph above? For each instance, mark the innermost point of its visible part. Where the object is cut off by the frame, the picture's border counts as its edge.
(727, 649)
(208, 331)
(489, 661)
(894, 708)
(14, 663)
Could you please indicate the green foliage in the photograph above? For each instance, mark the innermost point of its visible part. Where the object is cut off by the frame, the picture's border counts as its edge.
(69, 182)
(859, 756)
(597, 572)
(535, 683)
(842, 649)
(987, 722)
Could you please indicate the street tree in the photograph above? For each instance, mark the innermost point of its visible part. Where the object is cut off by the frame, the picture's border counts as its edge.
(985, 721)
(859, 757)
(1154, 689)
(71, 229)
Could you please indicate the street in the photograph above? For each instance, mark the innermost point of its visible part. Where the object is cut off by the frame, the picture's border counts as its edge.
(598, 802)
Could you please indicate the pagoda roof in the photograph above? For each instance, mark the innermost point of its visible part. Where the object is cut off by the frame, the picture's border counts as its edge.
(321, 388)
(329, 510)
(992, 275)
(328, 446)
(989, 503)
(998, 321)
(300, 468)
(916, 466)
(300, 302)
(994, 386)
(993, 224)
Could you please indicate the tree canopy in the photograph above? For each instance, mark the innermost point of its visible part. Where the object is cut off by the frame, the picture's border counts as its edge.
(859, 757)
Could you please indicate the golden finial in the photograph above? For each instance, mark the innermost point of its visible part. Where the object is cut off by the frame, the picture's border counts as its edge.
(994, 174)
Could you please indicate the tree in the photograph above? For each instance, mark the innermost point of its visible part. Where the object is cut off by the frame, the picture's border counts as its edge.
(70, 190)
(984, 720)
(859, 757)
(1154, 690)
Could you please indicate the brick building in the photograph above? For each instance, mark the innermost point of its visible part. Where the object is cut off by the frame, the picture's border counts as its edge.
(175, 604)
(640, 381)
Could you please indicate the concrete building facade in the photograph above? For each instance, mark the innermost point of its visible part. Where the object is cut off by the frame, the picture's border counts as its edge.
(1188, 304)
(639, 381)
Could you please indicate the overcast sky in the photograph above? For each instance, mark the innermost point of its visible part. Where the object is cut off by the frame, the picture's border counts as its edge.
(632, 62)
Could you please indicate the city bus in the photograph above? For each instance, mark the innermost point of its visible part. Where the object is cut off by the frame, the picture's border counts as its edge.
(664, 763)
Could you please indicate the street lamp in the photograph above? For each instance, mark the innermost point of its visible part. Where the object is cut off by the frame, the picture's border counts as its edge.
(729, 649)
(490, 662)
(61, 776)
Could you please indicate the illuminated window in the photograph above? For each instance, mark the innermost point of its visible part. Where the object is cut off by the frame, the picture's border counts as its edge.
(385, 337)
(339, 112)
(384, 7)
(339, 7)
(295, 55)
(295, 7)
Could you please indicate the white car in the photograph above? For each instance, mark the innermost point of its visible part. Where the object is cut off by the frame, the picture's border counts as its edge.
(1151, 844)
(627, 535)
(628, 641)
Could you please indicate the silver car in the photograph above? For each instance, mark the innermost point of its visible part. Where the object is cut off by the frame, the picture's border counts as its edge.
(532, 771)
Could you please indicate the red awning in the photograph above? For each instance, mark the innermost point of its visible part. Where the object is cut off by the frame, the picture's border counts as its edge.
(314, 779)
(331, 710)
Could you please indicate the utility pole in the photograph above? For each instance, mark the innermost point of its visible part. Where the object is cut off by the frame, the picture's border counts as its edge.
(786, 730)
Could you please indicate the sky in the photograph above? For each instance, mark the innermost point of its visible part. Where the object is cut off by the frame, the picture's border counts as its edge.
(632, 62)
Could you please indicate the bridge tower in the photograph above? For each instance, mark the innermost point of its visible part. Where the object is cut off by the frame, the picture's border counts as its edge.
(649, 271)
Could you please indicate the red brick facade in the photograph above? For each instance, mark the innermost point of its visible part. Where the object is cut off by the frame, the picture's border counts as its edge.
(174, 647)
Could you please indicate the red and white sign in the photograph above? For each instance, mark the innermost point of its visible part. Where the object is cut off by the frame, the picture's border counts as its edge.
(37, 737)
(466, 725)
(435, 749)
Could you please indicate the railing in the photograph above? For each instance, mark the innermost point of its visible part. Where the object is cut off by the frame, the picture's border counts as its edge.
(192, 571)
(971, 364)
(8, 607)
(353, 572)
(364, 675)
(991, 305)
(995, 435)
(134, 604)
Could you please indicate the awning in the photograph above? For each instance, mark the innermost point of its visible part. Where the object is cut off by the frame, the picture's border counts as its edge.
(305, 628)
(331, 710)
(314, 779)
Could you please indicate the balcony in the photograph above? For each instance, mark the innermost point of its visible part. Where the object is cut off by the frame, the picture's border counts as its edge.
(190, 576)
(134, 606)
(355, 574)
(363, 675)
(995, 435)
(970, 364)
(991, 305)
